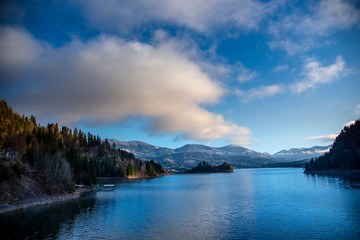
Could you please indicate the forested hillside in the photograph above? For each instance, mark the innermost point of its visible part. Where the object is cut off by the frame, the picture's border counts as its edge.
(58, 158)
(343, 155)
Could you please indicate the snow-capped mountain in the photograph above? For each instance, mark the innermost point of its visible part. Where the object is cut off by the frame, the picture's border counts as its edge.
(190, 155)
(142, 150)
(302, 153)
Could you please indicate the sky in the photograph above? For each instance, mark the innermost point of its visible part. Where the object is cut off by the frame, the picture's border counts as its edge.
(266, 75)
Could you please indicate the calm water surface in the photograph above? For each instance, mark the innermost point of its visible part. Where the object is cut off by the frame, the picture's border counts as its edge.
(248, 204)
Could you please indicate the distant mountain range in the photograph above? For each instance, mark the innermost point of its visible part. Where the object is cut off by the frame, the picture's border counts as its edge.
(295, 154)
(190, 155)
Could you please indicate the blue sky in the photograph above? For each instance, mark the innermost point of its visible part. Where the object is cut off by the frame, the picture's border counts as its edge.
(267, 75)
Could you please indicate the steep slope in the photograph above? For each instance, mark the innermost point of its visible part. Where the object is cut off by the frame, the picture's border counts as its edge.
(51, 161)
(344, 153)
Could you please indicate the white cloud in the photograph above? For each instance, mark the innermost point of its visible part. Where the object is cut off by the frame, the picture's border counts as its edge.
(331, 15)
(330, 137)
(281, 68)
(357, 109)
(199, 15)
(315, 74)
(327, 138)
(110, 80)
(301, 30)
(259, 92)
(246, 77)
(244, 74)
(227, 72)
(291, 46)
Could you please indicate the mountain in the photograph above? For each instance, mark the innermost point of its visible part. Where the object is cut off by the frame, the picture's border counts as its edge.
(142, 150)
(344, 153)
(296, 154)
(194, 148)
(190, 155)
(238, 150)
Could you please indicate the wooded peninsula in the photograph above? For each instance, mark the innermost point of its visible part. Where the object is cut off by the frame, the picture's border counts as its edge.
(46, 161)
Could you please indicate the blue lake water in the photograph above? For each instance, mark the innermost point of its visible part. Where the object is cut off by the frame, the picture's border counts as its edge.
(247, 204)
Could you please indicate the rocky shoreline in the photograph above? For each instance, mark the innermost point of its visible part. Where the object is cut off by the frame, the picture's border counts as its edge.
(41, 201)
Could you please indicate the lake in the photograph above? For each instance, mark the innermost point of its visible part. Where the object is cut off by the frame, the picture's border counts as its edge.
(247, 204)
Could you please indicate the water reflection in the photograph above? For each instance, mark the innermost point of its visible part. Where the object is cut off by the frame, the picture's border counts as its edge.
(251, 203)
(348, 182)
(347, 179)
(44, 221)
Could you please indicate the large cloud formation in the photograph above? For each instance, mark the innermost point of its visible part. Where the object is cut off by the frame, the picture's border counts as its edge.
(109, 79)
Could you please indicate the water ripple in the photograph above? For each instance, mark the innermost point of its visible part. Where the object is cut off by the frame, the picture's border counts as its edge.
(249, 204)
